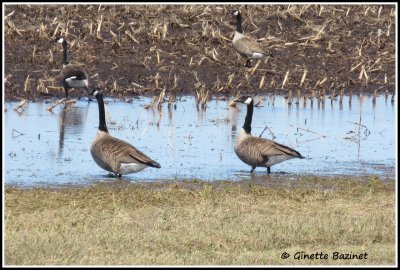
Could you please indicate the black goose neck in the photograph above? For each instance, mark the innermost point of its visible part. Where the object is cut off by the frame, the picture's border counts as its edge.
(102, 114)
(65, 50)
(249, 117)
(239, 23)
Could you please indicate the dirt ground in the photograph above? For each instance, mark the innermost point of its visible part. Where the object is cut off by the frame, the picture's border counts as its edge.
(131, 50)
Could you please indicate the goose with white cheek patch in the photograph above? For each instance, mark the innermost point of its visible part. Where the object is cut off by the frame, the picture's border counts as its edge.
(72, 75)
(115, 155)
(259, 152)
(244, 45)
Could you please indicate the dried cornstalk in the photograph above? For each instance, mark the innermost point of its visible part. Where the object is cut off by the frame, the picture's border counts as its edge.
(33, 53)
(99, 21)
(204, 100)
(56, 103)
(304, 77)
(285, 79)
(69, 101)
(51, 59)
(230, 79)
(255, 67)
(298, 96)
(26, 84)
(20, 104)
(161, 98)
(341, 96)
(156, 79)
(164, 31)
(262, 82)
(289, 97)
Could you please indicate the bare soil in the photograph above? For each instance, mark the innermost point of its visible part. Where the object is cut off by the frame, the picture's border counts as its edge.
(131, 50)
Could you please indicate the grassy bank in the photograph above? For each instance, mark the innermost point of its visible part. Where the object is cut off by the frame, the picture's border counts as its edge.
(195, 222)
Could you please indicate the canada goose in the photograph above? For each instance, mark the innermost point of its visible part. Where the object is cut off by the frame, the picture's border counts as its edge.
(115, 155)
(244, 45)
(259, 152)
(72, 75)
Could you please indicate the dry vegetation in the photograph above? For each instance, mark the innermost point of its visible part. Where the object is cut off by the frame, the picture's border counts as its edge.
(194, 222)
(148, 49)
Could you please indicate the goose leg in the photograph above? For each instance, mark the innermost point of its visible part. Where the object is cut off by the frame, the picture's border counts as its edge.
(248, 64)
(269, 170)
(252, 169)
(66, 90)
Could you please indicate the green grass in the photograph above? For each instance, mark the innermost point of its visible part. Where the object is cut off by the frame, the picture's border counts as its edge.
(200, 223)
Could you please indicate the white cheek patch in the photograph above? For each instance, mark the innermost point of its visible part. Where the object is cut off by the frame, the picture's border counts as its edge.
(248, 101)
(61, 40)
(95, 93)
(236, 13)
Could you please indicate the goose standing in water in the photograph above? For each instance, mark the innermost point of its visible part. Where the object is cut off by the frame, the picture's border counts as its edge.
(72, 75)
(115, 155)
(259, 152)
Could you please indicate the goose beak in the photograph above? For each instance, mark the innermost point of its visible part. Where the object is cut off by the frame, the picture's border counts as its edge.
(243, 99)
(240, 99)
(93, 91)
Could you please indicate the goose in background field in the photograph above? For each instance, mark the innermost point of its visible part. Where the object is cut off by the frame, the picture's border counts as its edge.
(244, 45)
(259, 152)
(115, 155)
(72, 75)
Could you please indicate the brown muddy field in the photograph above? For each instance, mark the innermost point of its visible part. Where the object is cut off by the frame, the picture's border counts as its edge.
(131, 50)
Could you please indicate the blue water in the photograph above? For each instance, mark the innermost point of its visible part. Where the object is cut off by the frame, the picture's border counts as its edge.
(190, 142)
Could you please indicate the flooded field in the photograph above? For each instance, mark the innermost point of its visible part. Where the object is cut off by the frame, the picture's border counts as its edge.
(53, 147)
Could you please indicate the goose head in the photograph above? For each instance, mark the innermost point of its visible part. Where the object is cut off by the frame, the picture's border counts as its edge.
(244, 99)
(60, 39)
(236, 13)
(95, 91)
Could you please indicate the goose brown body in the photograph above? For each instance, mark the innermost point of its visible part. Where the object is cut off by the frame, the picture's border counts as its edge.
(245, 45)
(256, 151)
(115, 155)
(260, 152)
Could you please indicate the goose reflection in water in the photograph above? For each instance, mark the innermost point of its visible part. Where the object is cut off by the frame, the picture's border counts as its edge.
(72, 120)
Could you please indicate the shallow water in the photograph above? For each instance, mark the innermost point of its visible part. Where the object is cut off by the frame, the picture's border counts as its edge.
(190, 142)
